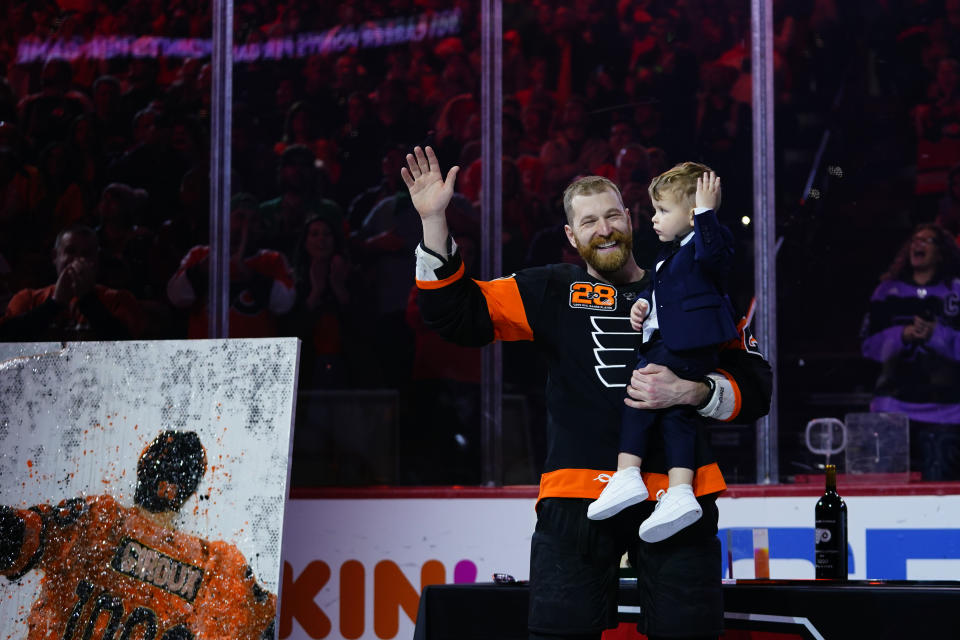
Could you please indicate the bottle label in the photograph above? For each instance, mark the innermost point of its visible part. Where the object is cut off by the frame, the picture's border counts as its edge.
(831, 547)
(827, 564)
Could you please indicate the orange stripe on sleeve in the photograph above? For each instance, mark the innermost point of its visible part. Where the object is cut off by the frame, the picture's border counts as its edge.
(506, 309)
(737, 399)
(439, 284)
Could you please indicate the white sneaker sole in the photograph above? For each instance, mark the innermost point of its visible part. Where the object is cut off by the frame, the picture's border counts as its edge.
(614, 509)
(662, 531)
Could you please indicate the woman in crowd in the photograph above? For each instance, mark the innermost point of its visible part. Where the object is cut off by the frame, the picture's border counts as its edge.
(323, 274)
(913, 330)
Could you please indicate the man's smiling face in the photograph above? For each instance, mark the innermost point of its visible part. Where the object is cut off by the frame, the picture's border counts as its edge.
(601, 231)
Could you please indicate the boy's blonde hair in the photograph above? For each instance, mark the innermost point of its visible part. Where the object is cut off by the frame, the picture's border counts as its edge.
(587, 186)
(680, 182)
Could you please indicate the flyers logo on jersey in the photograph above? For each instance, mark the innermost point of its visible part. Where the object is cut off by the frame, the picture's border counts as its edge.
(596, 296)
(148, 565)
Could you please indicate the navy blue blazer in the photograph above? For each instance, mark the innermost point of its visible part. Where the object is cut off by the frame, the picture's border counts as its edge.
(692, 309)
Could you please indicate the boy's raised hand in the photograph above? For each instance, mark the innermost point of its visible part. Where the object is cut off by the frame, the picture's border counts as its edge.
(708, 191)
(638, 313)
(429, 192)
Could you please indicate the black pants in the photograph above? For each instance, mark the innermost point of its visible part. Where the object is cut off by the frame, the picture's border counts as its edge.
(574, 570)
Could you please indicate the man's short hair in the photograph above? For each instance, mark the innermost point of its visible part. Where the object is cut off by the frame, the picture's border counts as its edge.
(587, 186)
(107, 80)
(680, 181)
(77, 230)
(297, 154)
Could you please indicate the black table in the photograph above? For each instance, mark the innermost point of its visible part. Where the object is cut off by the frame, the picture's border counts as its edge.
(811, 609)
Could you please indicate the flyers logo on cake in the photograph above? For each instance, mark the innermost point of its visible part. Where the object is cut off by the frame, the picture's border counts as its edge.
(587, 295)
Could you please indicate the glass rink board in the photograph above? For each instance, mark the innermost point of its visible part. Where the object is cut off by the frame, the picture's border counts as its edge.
(143, 487)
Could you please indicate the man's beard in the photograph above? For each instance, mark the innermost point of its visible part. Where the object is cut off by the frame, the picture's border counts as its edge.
(607, 261)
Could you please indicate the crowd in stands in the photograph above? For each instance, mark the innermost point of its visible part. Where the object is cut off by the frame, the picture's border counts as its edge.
(322, 230)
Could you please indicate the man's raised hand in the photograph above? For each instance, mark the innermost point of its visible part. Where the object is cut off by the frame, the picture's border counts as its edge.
(429, 192)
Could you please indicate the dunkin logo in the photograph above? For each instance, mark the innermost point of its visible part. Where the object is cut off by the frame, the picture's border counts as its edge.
(158, 569)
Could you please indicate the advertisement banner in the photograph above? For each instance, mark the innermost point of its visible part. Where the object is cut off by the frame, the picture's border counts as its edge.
(353, 568)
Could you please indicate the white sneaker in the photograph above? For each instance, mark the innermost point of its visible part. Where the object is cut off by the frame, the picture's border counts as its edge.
(625, 488)
(676, 508)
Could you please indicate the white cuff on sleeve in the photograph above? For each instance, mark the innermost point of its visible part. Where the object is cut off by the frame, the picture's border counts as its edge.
(428, 262)
(722, 402)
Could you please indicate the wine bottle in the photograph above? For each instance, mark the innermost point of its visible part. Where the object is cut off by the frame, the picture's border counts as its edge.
(831, 545)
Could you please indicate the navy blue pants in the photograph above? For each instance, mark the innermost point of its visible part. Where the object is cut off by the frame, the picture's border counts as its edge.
(678, 424)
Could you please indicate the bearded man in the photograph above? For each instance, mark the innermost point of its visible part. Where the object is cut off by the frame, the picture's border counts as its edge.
(580, 320)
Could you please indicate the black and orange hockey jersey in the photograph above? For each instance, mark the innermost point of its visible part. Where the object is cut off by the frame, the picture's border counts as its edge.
(111, 572)
(582, 327)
